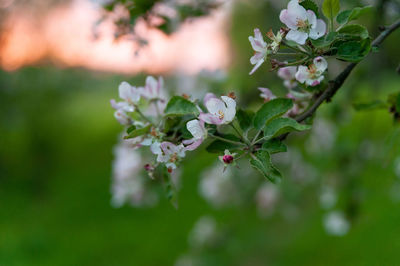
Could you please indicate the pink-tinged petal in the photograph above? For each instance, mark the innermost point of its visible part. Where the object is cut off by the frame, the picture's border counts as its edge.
(230, 109)
(297, 36)
(259, 63)
(208, 97)
(188, 141)
(302, 74)
(215, 106)
(288, 20)
(210, 119)
(287, 73)
(194, 145)
(319, 30)
(290, 96)
(256, 58)
(297, 11)
(315, 83)
(257, 34)
(122, 117)
(168, 147)
(196, 128)
(320, 64)
(312, 19)
(124, 90)
(266, 94)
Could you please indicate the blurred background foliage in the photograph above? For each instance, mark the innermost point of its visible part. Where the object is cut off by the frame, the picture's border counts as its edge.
(57, 135)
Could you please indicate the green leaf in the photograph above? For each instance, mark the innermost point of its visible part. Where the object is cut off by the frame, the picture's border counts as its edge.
(270, 110)
(245, 119)
(262, 162)
(374, 105)
(219, 146)
(180, 106)
(310, 5)
(138, 132)
(354, 51)
(274, 146)
(281, 126)
(331, 8)
(324, 41)
(349, 15)
(130, 129)
(354, 30)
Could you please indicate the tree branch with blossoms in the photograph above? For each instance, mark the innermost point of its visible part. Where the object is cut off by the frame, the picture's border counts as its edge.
(297, 51)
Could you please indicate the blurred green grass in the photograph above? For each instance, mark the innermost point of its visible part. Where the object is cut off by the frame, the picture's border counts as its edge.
(56, 152)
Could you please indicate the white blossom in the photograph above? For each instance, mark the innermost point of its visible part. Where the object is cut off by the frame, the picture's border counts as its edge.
(220, 111)
(313, 74)
(260, 48)
(303, 24)
(170, 154)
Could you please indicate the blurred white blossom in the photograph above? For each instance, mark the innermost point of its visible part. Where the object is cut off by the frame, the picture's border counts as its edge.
(216, 186)
(266, 198)
(204, 232)
(336, 223)
(327, 197)
(128, 183)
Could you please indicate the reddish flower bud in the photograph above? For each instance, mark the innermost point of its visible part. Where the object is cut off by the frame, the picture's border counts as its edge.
(148, 167)
(228, 159)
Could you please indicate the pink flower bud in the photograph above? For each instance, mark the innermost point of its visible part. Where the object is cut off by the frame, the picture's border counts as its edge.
(228, 159)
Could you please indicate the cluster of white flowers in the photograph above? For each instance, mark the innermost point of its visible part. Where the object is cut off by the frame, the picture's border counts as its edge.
(128, 112)
(301, 25)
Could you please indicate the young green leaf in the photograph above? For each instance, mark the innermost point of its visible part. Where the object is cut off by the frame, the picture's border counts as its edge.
(324, 41)
(270, 110)
(331, 8)
(274, 146)
(346, 16)
(245, 119)
(138, 132)
(354, 31)
(261, 161)
(180, 106)
(354, 51)
(281, 126)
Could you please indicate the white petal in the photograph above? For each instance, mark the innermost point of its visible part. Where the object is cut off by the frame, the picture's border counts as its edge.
(288, 20)
(321, 64)
(319, 30)
(124, 90)
(297, 11)
(155, 148)
(215, 106)
(230, 109)
(195, 128)
(302, 74)
(312, 19)
(259, 63)
(297, 36)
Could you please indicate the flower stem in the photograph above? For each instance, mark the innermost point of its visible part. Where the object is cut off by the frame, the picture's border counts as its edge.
(227, 140)
(143, 116)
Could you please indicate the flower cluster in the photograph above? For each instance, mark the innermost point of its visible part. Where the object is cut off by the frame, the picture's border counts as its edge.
(301, 25)
(169, 145)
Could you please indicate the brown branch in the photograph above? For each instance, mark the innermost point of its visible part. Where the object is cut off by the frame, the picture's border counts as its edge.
(336, 84)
